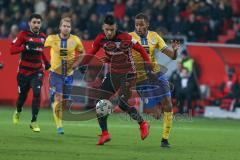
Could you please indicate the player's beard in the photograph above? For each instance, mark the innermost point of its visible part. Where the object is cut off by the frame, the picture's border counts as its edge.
(35, 30)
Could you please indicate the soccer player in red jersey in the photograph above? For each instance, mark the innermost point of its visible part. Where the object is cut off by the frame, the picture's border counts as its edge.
(30, 44)
(117, 46)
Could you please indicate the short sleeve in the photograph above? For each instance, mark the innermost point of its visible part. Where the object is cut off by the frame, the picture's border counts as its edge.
(48, 42)
(80, 47)
(161, 45)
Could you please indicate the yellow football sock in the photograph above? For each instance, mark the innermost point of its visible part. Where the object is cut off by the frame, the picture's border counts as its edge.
(57, 113)
(167, 124)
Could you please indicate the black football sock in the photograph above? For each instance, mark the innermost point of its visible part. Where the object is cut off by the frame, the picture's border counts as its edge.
(102, 120)
(21, 99)
(134, 114)
(35, 108)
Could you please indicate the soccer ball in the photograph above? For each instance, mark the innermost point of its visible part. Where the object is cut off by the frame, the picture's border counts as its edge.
(104, 107)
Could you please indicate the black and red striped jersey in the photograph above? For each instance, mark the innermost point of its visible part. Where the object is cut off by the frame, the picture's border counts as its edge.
(119, 51)
(31, 61)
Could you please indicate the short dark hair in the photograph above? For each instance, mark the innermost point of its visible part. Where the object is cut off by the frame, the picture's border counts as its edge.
(109, 19)
(142, 16)
(35, 15)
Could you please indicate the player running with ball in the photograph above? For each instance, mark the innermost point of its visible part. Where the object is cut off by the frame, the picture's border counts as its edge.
(118, 46)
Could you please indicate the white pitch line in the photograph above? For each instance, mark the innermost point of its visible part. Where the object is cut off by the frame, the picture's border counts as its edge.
(132, 126)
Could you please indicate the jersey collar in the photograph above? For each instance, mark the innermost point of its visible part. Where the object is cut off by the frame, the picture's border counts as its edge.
(142, 36)
(63, 38)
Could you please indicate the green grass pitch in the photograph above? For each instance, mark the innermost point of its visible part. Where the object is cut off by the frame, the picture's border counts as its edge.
(191, 139)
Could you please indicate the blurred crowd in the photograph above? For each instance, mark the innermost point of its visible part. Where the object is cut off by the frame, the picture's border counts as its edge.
(199, 20)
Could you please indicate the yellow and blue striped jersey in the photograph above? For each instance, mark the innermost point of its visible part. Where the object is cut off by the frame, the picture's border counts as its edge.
(72, 45)
(151, 42)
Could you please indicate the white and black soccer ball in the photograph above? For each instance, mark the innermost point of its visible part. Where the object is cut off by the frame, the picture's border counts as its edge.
(104, 107)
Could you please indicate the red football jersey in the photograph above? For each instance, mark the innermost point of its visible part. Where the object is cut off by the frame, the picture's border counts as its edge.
(29, 62)
(119, 51)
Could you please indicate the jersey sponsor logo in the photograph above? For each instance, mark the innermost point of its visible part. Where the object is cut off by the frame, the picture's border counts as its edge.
(117, 48)
(42, 40)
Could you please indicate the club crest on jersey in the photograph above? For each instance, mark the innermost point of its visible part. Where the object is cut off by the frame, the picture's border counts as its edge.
(153, 41)
(42, 40)
(71, 44)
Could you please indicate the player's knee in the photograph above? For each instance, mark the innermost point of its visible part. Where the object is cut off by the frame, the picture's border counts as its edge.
(168, 107)
(125, 93)
(131, 110)
(36, 94)
(167, 104)
(37, 91)
(123, 105)
(22, 95)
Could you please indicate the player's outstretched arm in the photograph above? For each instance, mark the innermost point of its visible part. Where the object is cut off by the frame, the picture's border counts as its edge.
(17, 45)
(86, 58)
(89, 55)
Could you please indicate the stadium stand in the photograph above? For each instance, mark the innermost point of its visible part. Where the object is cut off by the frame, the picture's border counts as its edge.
(199, 20)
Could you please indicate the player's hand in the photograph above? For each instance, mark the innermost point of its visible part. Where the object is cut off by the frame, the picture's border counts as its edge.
(63, 52)
(150, 73)
(1, 65)
(148, 67)
(47, 66)
(152, 77)
(175, 45)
